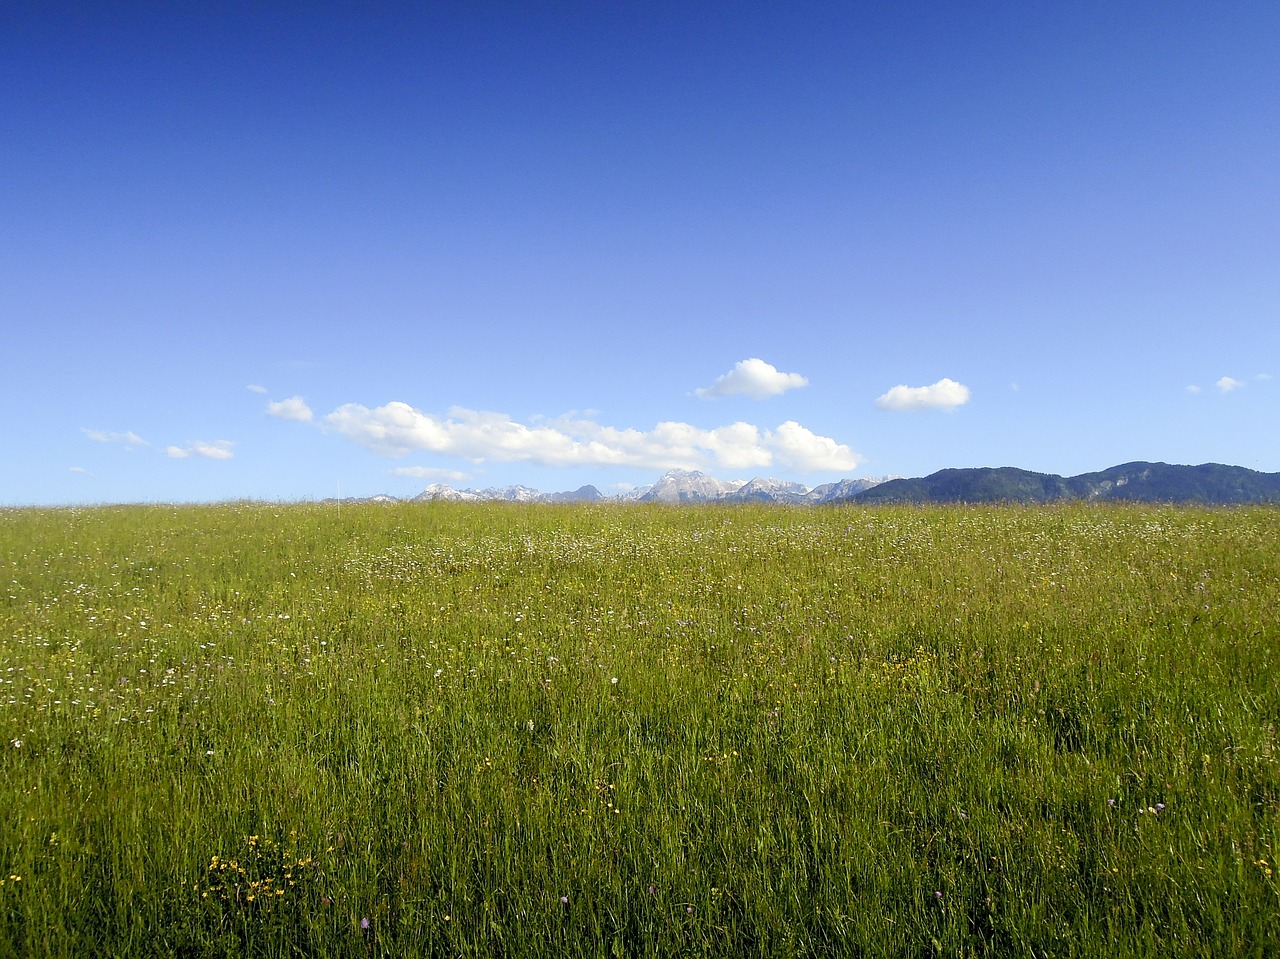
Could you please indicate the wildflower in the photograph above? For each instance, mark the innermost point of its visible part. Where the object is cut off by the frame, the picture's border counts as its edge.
(1111, 803)
(364, 923)
(937, 894)
(1160, 807)
(564, 900)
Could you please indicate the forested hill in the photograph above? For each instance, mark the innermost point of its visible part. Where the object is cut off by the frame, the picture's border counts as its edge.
(1209, 483)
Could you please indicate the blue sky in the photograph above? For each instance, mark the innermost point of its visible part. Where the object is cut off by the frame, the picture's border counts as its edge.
(278, 251)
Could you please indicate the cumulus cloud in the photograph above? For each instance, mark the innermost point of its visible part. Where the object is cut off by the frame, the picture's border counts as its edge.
(397, 429)
(294, 408)
(1228, 383)
(129, 440)
(754, 378)
(946, 394)
(217, 450)
(799, 448)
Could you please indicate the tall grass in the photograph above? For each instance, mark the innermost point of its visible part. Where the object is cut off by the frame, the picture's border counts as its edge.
(491, 730)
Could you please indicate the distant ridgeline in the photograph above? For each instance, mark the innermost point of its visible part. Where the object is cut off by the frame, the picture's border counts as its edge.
(1210, 484)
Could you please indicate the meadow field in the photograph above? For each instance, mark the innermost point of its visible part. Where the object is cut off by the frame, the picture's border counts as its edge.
(524, 731)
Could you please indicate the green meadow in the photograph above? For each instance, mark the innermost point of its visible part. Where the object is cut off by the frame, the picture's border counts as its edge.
(516, 731)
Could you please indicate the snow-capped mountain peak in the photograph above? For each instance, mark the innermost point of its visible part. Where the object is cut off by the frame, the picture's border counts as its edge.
(689, 486)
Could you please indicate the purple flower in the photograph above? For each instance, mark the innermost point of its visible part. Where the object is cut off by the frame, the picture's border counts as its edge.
(1111, 802)
(1159, 807)
(689, 910)
(652, 890)
(364, 923)
(937, 895)
(564, 900)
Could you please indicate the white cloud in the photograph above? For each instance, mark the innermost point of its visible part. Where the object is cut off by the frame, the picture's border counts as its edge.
(397, 429)
(1228, 383)
(754, 378)
(946, 394)
(1263, 377)
(255, 388)
(1193, 389)
(801, 449)
(217, 450)
(129, 440)
(79, 469)
(294, 408)
(430, 473)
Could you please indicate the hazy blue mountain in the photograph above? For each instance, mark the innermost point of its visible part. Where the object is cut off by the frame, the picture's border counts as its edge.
(583, 494)
(1209, 483)
(1005, 484)
(1162, 483)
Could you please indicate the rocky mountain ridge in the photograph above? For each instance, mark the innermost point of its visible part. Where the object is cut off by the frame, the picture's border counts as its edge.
(674, 486)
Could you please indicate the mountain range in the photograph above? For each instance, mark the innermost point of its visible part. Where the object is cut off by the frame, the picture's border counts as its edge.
(675, 486)
(1208, 483)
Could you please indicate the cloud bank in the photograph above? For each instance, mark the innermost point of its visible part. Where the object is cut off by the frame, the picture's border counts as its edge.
(430, 473)
(217, 450)
(129, 440)
(397, 429)
(946, 394)
(754, 378)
